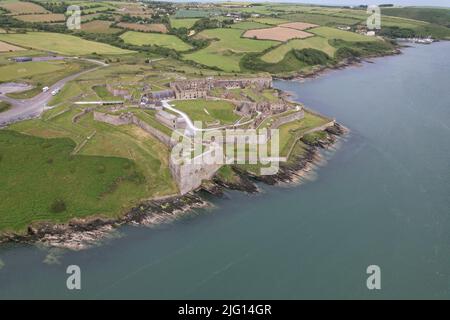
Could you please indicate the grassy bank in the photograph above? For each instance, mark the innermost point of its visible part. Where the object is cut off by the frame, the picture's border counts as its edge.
(4, 106)
(41, 181)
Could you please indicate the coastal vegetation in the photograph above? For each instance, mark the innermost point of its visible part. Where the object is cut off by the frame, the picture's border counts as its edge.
(162, 40)
(183, 23)
(65, 164)
(226, 48)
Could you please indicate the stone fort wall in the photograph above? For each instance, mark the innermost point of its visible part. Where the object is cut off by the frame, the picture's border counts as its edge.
(287, 118)
(187, 176)
(190, 176)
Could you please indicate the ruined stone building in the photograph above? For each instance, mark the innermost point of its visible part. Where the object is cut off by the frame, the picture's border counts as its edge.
(170, 120)
(190, 89)
(199, 88)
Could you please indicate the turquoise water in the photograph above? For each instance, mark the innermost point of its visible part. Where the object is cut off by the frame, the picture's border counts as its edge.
(383, 198)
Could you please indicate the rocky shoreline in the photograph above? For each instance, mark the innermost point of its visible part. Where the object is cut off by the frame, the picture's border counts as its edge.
(338, 66)
(83, 233)
(80, 234)
(289, 172)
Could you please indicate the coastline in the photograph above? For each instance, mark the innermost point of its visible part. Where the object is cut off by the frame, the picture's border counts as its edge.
(79, 234)
(349, 62)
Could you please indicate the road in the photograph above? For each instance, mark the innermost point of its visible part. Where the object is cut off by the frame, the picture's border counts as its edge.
(33, 107)
(191, 128)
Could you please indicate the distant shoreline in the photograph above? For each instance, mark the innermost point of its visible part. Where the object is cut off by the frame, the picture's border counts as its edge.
(81, 234)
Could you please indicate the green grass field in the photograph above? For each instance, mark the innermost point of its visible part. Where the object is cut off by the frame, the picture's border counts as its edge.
(99, 26)
(103, 93)
(227, 48)
(60, 43)
(319, 43)
(182, 23)
(150, 156)
(162, 40)
(27, 69)
(321, 19)
(69, 91)
(247, 25)
(332, 33)
(215, 110)
(183, 13)
(432, 15)
(290, 132)
(19, 7)
(31, 186)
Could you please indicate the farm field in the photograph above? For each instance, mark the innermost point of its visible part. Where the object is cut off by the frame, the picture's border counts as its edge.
(163, 40)
(99, 26)
(89, 17)
(183, 23)
(27, 69)
(321, 19)
(182, 13)
(19, 7)
(215, 110)
(337, 16)
(432, 15)
(6, 47)
(224, 60)
(129, 8)
(332, 33)
(276, 34)
(152, 27)
(230, 39)
(270, 20)
(49, 17)
(277, 54)
(247, 25)
(298, 25)
(226, 52)
(60, 43)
